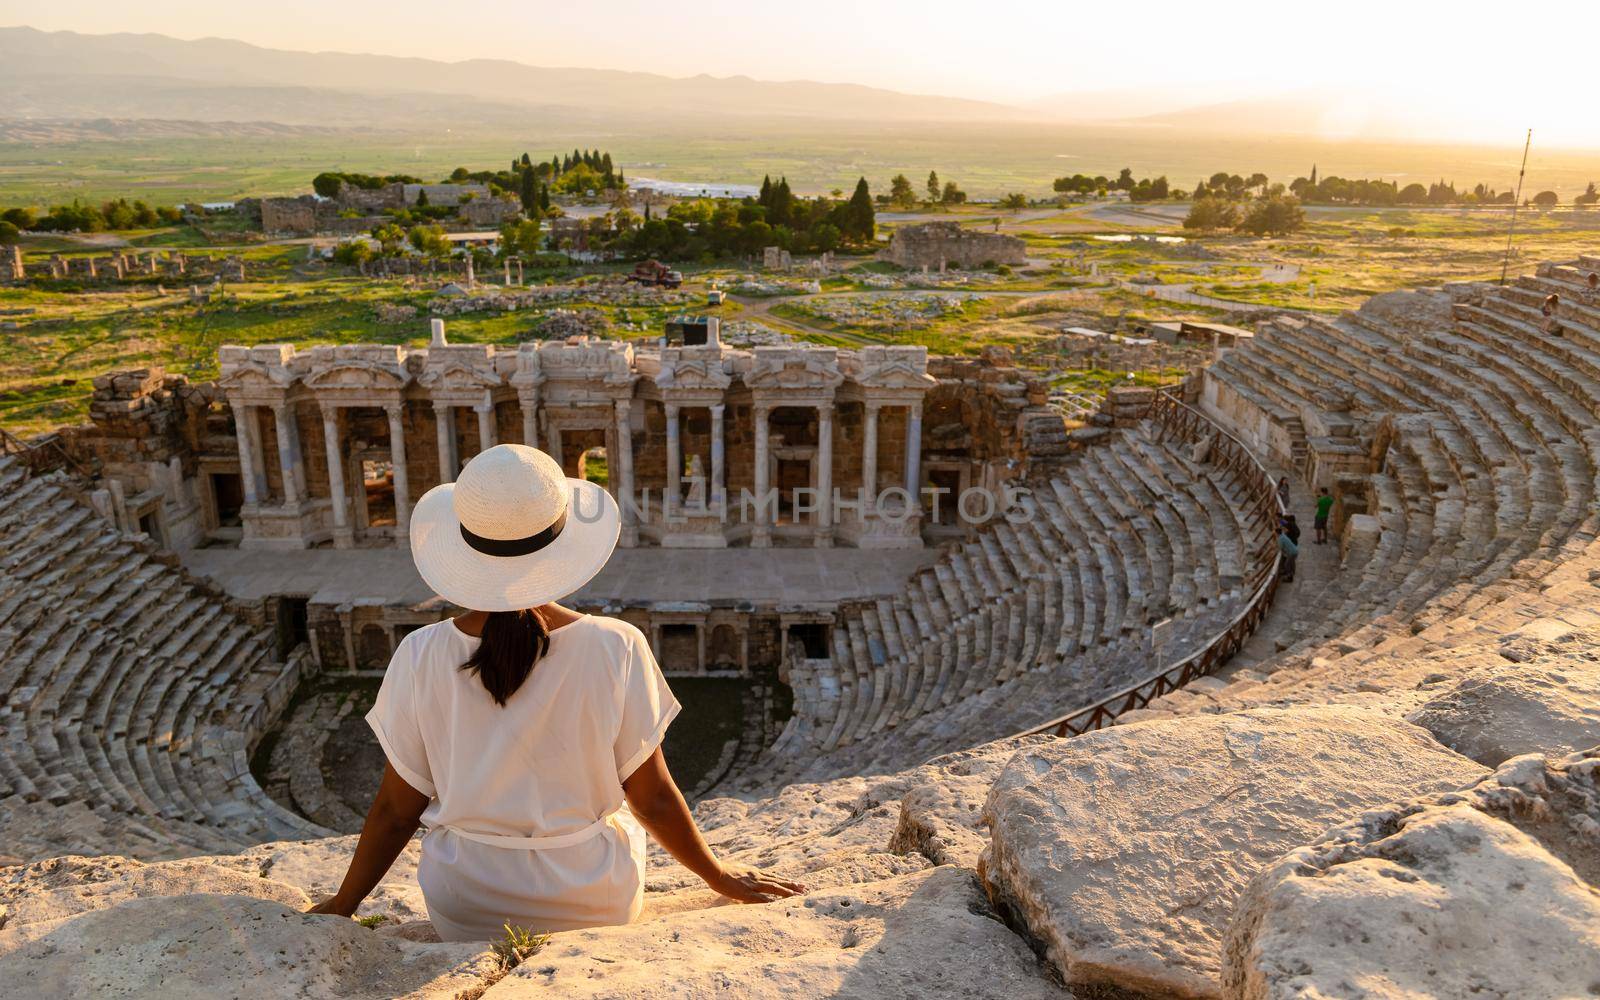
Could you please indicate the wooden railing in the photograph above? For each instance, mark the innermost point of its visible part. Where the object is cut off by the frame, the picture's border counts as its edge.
(1188, 425)
(42, 454)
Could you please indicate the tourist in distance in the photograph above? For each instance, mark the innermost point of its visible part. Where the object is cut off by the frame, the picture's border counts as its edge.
(1591, 288)
(1283, 490)
(1292, 526)
(526, 737)
(1289, 551)
(1324, 508)
(1551, 310)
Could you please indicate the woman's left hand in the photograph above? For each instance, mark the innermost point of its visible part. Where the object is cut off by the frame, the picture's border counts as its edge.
(333, 905)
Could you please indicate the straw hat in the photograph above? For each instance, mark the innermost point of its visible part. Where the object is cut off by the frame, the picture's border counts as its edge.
(512, 532)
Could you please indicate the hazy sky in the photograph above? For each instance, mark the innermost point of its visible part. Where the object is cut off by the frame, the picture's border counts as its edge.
(1482, 70)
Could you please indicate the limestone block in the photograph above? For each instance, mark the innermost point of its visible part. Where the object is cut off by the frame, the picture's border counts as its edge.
(1551, 706)
(1487, 892)
(205, 946)
(928, 934)
(941, 813)
(1122, 851)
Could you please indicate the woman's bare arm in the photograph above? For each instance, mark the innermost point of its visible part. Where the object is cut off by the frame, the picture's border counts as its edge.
(659, 806)
(395, 815)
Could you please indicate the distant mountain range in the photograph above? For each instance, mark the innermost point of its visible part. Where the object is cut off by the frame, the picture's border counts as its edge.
(69, 75)
(63, 77)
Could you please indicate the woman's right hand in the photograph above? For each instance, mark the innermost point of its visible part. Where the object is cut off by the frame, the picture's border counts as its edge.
(752, 885)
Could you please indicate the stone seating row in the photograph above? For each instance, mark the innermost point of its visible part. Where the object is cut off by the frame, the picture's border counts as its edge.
(129, 694)
(1026, 618)
(1489, 483)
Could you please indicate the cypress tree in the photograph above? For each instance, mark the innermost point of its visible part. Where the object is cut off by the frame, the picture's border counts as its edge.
(528, 192)
(861, 221)
(765, 198)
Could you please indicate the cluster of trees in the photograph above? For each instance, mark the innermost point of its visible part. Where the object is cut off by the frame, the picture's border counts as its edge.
(1144, 189)
(1275, 215)
(78, 217)
(722, 227)
(1307, 190)
(904, 197)
(330, 182)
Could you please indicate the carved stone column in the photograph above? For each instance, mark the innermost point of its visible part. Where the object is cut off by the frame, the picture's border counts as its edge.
(914, 454)
(283, 420)
(397, 455)
(674, 460)
(822, 533)
(247, 459)
(869, 454)
(761, 533)
(553, 436)
(486, 435)
(719, 484)
(258, 454)
(444, 417)
(622, 466)
(342, 536)
(530, 421)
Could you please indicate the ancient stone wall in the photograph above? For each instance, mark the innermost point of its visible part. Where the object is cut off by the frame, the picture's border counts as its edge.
(296, 216)
(946, 244)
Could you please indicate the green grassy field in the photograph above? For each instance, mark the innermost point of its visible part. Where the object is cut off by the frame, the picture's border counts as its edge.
(986, 160)
(66, 333)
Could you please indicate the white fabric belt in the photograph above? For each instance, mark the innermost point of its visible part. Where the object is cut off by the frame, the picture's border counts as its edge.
(536, 843)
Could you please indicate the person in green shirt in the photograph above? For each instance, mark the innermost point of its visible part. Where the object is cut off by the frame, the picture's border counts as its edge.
(1324, 507)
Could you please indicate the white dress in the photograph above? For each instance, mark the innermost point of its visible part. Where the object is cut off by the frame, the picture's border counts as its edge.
(528, 823)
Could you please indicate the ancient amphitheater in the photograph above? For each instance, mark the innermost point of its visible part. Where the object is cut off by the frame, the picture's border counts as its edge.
(1089, 747)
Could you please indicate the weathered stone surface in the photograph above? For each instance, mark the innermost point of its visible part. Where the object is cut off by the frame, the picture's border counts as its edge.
(928, 934)
(46, 892)
(1551, 706)
(941, 813)
(851, 829)
(1122, 852)
(207, 946)
(1490, 892)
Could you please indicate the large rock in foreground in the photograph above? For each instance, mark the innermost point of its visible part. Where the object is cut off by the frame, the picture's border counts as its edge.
(1485, 893)
(928, 934)
(156, 932)
(1551, 706)
(1123, 852)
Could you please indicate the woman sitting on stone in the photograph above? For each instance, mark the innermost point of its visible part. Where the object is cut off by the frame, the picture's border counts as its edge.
(524, 736)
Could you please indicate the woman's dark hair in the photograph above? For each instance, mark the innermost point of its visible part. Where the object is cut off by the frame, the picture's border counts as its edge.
(512, 643)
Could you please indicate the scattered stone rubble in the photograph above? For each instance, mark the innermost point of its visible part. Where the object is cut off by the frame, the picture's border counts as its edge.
(898, 312)
(765, 287)
(491, 299)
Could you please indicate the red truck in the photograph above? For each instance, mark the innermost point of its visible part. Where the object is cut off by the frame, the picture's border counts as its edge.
(653, 272)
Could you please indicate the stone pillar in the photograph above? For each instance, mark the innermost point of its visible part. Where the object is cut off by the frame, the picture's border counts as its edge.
(444, 417)
(485, 412)
(247, 460)
(553, 439)
(914, 453)
(258, 454)
(822, 533)
(622, 471)
(674, 460)
(761, 534)
(719, 485)
(283, 419)
(869, 454)
(530, 421)
(397, 455)
(342, 535)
